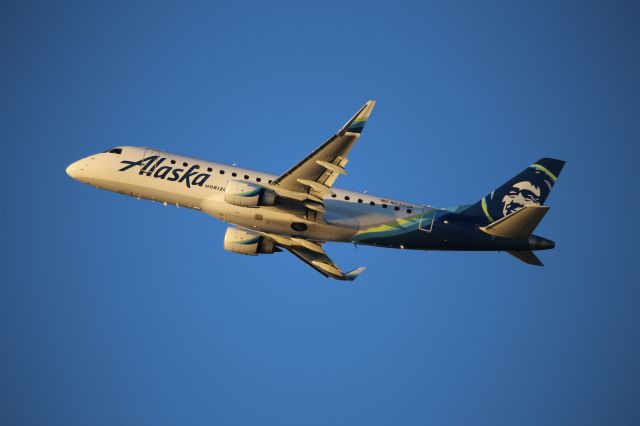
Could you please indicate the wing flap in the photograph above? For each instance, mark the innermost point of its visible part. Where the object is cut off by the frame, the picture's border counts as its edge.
(323, 189)
(317, 207)
(332, 167)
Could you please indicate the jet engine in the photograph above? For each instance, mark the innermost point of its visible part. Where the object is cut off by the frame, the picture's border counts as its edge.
(245, 242)
(247, 194)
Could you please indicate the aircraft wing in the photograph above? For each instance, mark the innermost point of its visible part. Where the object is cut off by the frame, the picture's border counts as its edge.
(323, 264)
(313, 177)
(312, 253)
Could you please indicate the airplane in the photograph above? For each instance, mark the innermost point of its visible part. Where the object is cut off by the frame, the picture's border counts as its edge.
(300, 210)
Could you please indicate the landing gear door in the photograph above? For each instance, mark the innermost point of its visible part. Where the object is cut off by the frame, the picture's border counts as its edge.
(427, 219)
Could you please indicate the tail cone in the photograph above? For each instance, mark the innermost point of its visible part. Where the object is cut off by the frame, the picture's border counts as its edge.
(539, 243)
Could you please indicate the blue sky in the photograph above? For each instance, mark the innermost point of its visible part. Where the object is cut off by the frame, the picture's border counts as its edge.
(118, 311)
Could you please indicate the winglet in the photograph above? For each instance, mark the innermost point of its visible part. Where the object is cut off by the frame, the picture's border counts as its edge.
(357, 122)
(355, 273)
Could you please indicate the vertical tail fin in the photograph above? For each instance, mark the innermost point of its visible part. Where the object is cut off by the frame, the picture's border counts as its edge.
(532, 186)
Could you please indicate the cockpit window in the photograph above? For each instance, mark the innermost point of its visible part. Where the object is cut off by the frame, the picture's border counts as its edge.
(115, 151)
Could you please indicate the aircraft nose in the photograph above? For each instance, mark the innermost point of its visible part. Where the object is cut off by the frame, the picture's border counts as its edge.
(73, 170)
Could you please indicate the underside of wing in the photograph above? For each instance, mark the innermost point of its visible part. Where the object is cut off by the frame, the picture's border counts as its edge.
(323, 264)
(312, 253)
(312, 178)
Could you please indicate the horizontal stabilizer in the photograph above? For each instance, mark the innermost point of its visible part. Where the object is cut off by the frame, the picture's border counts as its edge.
(519, 224)
(527, 256)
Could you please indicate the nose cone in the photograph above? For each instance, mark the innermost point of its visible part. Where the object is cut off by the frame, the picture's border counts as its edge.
(77, 170)
(72, 170)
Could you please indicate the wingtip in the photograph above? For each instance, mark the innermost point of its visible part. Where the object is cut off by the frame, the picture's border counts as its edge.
(367, 108)
(352, 275)
(357, 122)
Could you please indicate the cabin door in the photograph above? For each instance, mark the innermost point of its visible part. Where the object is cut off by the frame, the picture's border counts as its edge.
(149, 163)
(151, 156)
(427, 218)
(150, 152)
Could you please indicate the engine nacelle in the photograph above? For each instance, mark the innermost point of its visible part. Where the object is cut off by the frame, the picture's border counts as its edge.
(245, 242)
(247, 194)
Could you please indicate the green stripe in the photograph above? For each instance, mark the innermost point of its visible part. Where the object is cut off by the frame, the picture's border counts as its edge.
(544, 169)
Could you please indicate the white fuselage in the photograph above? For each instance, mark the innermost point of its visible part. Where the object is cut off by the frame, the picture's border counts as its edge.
(199, 184)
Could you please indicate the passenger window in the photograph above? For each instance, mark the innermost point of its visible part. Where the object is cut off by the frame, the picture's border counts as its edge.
(221, 172)
(360, 200)
(333, 195)
(270, 181)
(384, 206)
(209, 169)
(396, 208)
(258, 179)
(185, 164)
(246, 176)
(346, 197)
(234, 174)
(372, 203)
(173, 161)
(409, 211)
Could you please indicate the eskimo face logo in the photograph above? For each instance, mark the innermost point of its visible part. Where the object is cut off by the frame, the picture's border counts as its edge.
(529, 188)
(521, 194)
(151, 166)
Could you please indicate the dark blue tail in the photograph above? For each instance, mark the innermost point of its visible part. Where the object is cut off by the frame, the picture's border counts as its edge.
(530, 187)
